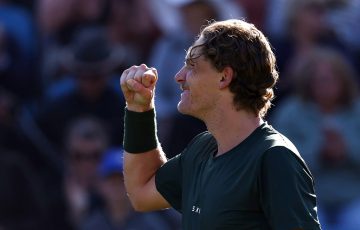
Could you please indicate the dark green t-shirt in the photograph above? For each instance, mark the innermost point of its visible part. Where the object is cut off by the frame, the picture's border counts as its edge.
(262, 183)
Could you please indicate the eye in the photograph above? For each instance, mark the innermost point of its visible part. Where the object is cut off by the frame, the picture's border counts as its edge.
(189, 63)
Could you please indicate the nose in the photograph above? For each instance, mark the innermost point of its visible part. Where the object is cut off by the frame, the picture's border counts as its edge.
(180, 76)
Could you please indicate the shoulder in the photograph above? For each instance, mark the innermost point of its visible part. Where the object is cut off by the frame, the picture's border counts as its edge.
(200, 142)
(202, 138)
(279, 154)
(271, 138)
(193, 152)
(280, 148)
(284, 160)
(280, 141)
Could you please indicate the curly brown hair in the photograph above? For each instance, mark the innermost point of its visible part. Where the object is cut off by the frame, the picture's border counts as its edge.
(241, 46)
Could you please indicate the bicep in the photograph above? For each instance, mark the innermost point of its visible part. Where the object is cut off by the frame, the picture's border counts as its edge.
(139, 176)
(153, 200)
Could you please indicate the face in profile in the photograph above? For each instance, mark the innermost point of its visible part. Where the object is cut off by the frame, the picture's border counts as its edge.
(198, 80)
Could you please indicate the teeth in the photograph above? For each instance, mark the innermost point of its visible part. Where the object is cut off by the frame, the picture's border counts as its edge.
(184, 87)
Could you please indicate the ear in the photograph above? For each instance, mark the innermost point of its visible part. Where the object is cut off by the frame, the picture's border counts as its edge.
(226, 77)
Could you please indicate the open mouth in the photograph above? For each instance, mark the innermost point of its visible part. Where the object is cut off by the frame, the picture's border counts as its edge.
(183, 87)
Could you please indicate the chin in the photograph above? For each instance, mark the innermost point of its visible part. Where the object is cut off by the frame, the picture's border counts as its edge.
(186, 110)
(183, 109)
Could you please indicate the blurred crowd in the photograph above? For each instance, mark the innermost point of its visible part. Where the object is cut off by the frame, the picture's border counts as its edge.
(61, 108)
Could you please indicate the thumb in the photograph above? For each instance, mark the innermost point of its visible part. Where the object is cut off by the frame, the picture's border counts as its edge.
(150, 78)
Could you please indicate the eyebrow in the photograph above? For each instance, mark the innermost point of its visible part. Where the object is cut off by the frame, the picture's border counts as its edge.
(191, 58)
(187, 53)
(194, 51)
(189, 61)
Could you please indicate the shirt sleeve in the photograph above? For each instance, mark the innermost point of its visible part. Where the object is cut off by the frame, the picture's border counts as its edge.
(287, 191)
(168, 180)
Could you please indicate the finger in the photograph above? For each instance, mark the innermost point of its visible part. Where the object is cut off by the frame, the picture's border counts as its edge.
(125, 89)
(143, 66)
(155, 71)
(131, 72)
(149, 78)
(134, 85)
(140, 72)
(123, 84)
(143, 94)
(123, 76)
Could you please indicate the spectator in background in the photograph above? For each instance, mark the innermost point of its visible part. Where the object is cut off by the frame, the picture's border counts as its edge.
(59, 21)
(90, 53)
(306, 28)
(117, 212)
(21, 202)
(132, 25)
(91, 61)
(86, 140)
(323, 119)
(167, 58)
(344, 17)
(255, 11)
(19, 52)
(167, 16)
(10, 136)
(18, 134)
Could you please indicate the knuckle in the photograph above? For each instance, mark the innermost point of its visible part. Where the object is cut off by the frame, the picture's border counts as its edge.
(132, 68)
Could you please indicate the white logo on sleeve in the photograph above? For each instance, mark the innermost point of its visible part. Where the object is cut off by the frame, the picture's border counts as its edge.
(196, 209)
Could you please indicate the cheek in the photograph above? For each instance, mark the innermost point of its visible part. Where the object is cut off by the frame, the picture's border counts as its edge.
(202, 96)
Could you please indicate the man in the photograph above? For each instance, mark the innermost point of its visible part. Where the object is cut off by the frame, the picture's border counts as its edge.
(241, 174)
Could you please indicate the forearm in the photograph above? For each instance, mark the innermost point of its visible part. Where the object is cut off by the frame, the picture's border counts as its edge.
(143, 157)
(139, 174)
(143, 154)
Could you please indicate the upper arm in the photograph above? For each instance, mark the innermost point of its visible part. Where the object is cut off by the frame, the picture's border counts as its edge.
(287, 194)
(139, 176)
(153, 200)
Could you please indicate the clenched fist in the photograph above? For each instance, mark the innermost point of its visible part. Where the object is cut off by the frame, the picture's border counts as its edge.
(138, 86)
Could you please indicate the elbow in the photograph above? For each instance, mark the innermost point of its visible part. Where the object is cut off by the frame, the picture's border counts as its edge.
(139, 207)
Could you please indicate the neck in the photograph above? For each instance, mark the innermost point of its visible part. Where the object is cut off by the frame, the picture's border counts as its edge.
(231, 128)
